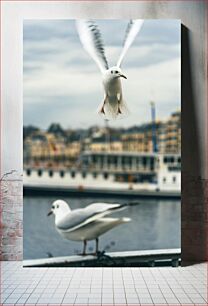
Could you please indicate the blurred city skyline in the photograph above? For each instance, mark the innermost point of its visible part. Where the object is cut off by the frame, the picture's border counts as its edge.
(103, 124)
(62, 83)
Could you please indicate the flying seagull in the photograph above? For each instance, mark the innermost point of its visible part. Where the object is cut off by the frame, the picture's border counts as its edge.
(85, 223)
(90, 36)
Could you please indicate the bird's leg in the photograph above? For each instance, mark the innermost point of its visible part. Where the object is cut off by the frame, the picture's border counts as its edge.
(119, 110)
(102, 111)
(84, 247)
(96, 248)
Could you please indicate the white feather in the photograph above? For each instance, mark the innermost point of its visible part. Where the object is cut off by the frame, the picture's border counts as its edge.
(90, 37)
(132, 30)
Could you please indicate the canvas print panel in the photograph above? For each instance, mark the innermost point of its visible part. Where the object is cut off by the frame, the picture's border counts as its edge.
(102, 141)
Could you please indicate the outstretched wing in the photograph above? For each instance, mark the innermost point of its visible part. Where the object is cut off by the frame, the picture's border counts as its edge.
(90, 37)
(132, 30)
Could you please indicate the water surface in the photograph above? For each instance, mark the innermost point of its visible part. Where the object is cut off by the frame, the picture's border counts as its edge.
(155, 225)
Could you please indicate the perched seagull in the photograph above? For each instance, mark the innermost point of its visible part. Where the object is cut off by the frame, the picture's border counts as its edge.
(86, 223)
(90, 36)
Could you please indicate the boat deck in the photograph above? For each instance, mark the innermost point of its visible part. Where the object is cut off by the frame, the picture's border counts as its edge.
(65, 190)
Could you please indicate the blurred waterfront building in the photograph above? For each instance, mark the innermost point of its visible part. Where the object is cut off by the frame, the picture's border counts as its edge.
(173, 133)
(102, 144)
(170, 134)
(57, 147)
(72, 150)
(43, 148)
(139, 139)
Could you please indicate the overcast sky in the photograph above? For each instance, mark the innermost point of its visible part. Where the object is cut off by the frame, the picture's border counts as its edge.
(63, 84)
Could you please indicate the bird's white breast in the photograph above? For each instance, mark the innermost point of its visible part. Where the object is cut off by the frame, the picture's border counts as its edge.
(112, 86)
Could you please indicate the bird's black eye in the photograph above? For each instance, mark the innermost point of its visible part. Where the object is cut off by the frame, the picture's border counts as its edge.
(116, 71)
(111, 71)
(53, 207)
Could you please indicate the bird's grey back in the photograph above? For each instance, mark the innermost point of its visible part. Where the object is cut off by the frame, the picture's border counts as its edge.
(80, 217)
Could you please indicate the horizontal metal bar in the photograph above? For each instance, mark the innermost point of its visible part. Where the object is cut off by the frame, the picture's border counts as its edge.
(113, 258)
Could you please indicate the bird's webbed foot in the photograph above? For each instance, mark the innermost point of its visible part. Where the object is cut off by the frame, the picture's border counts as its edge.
(119, 111)
(82, 254)
(92, 253)
(102, 111)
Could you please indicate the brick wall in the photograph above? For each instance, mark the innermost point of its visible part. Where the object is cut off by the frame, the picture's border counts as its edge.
(11, 219)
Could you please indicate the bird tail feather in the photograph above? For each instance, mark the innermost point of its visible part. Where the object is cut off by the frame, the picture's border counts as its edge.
(125, 219)
(115, 110)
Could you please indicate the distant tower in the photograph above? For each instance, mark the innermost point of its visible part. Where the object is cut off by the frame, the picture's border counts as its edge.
(154, 135)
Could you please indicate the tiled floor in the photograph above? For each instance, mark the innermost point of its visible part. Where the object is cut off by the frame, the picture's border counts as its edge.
(103, 286)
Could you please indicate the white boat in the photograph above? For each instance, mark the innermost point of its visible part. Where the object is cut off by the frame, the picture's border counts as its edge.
(116, 172)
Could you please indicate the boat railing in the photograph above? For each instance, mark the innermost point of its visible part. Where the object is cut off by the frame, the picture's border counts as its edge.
(149, 258)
